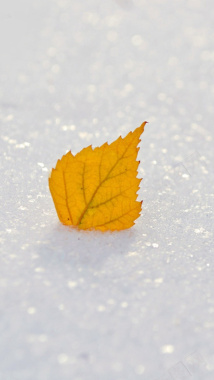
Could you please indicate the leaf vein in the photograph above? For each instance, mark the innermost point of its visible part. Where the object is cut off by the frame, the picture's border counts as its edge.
(66, 197)
(83, 183)
(117, 218)
(115, 196)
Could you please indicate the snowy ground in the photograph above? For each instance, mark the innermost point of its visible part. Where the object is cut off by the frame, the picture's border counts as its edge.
(137, 304)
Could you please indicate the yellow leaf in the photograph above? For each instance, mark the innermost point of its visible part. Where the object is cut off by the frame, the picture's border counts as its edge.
(97, 188)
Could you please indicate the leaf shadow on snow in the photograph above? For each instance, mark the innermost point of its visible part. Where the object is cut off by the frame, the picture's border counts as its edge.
(64, 246)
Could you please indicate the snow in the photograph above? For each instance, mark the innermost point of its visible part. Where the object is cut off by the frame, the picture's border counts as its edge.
(138, 304)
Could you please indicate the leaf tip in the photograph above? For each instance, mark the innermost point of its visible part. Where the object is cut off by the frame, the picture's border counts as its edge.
(142, 126)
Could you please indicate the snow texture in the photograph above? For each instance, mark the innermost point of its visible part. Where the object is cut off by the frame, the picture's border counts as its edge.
(137, 304)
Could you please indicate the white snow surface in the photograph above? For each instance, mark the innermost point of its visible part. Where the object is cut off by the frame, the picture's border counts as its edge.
(136, 304)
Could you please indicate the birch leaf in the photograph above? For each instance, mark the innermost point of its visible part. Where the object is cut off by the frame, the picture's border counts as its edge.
(97, 188)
